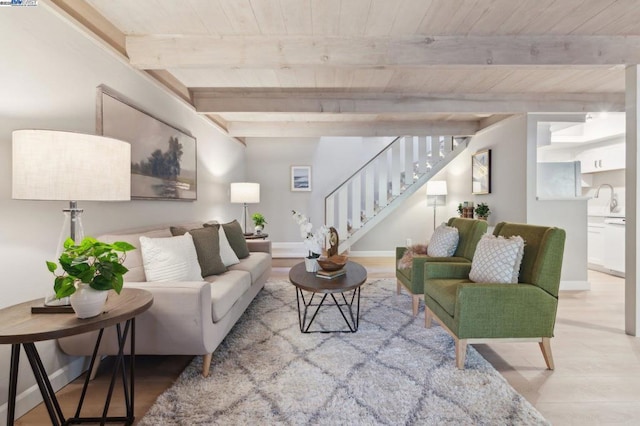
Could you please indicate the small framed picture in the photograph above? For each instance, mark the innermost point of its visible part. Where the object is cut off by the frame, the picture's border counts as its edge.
(481, 172)
(301, 178)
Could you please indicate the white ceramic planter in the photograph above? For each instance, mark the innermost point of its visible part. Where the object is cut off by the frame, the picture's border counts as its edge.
(311, 265)
(87, 302)
(258, 229)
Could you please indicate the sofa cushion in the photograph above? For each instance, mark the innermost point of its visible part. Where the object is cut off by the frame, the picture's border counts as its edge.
(207, 243)
(227, 254)
(443, 242)
(497, 259)
(133, 261)
(226, 289)
(256, 264)
(444, 292)
(170, 259)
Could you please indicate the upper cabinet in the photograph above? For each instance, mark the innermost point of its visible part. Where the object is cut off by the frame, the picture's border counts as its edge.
(601, 159)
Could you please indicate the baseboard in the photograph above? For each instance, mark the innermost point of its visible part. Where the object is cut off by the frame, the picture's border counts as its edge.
(574, 285)
(372, 253)
(297, 250)
(31, 396)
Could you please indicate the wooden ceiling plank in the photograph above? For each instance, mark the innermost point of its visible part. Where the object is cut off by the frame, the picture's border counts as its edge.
(409, 16)
(611, 20)
(381, 17)
(378, 128)
(353, 17)
(587, 10)
(241, 16)
(157, 52)
(269, 17)
(494, 17)
(297, 16)
(212, 16)
(325, 17)
(243, 100)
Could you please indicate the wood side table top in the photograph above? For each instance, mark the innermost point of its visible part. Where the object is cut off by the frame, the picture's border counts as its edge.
(355, 276)
(19, 325)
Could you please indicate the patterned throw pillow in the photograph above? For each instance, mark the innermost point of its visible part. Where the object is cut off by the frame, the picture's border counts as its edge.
(444, 241)
(497, 259)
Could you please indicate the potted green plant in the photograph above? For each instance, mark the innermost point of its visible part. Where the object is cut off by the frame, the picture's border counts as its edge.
(460, 210)
(258, 221)
(482, 211)
(89, 269)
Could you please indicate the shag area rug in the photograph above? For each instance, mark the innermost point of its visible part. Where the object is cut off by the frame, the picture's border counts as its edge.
(391, 371)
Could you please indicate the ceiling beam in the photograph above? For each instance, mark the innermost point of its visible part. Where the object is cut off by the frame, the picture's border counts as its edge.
(167, 51)
(375, 128)
(212, 101)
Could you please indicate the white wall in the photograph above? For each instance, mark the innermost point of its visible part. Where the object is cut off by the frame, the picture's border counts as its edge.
(48, 79)
(332, 161)
(570, 215)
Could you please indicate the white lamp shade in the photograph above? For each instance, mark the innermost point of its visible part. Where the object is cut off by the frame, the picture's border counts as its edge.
(437, 187)
(55, 165)
(245, 192)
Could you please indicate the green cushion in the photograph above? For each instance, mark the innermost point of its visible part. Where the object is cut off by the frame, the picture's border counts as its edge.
(207, 244)
(444, 292)
(235, 236)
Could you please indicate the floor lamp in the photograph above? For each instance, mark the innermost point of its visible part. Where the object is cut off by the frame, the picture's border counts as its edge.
(56, 165)
(245, 193)
(436, 196)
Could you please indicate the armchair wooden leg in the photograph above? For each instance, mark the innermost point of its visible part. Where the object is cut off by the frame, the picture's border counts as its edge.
(416, 304)
(461, 353)
(206, 363)
(399, 287)
(427, 317)
(545, 347)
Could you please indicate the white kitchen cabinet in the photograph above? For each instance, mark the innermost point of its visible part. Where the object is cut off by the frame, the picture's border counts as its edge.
(601, 159)
(595, 244)
(614, 241)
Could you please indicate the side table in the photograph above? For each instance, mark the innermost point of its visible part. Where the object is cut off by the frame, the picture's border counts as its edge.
(262, 236)
(18, 326)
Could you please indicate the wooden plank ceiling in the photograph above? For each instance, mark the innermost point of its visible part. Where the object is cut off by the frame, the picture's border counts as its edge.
(289, 68)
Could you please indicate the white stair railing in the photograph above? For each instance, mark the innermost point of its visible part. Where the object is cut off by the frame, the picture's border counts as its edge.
(385, 181)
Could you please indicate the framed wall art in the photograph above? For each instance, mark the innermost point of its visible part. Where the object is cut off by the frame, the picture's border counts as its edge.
(163, 157)
(481, 172)
(301, 178)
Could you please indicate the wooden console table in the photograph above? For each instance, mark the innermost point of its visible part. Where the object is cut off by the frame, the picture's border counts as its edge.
(18, 326)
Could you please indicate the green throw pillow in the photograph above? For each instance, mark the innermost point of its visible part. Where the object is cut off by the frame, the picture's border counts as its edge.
(207, 243)
(234, 234)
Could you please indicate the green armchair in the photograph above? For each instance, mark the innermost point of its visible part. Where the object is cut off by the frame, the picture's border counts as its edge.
(478, 312)
(412, 279)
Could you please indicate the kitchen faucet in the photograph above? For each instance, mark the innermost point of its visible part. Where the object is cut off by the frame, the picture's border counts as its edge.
(613, 202)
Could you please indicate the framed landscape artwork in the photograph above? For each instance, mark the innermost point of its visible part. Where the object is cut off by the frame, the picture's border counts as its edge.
(481, 172)
(163, 157)
(301, 178)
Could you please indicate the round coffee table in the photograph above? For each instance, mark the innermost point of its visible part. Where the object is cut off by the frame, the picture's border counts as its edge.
(347, 287)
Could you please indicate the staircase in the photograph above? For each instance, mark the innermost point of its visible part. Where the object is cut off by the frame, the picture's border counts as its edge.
(380, 186)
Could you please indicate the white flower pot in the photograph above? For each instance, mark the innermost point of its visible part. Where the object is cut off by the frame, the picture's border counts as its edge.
(258, 229)
(311, 265)
(88, 302)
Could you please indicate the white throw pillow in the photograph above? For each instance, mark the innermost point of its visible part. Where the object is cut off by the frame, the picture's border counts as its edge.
(444, 241)
(170, 259)
(497, 259)
(227, 254)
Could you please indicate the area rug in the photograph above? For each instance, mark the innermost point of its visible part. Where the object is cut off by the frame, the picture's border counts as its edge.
(391, 371)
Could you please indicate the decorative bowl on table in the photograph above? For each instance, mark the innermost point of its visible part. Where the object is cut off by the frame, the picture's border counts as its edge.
(333, 263)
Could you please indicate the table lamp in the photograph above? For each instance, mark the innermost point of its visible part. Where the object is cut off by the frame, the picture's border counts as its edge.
(57, 165)
(245, 193)
(436, 196)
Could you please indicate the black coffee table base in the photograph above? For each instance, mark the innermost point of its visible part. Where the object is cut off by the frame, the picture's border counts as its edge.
(351, 318)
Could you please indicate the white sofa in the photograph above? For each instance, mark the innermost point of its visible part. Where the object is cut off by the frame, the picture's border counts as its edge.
(186, 318)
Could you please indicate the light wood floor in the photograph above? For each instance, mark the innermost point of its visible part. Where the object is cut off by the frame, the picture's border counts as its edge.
(596, 381)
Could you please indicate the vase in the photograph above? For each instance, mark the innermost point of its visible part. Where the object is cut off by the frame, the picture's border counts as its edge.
(311, 264)
(88, 302)
(258, 229)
